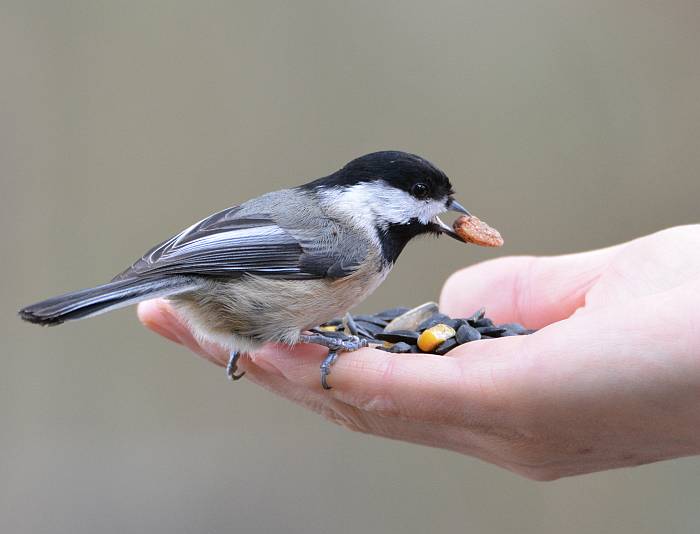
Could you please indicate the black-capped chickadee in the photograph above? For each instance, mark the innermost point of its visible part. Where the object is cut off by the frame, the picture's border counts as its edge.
(282, 263)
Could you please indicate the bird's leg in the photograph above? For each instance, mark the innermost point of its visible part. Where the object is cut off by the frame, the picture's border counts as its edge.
(326, 368)
(233, 365)
(335, 342)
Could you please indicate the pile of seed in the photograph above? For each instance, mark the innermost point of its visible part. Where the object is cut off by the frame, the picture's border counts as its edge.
(420, 330)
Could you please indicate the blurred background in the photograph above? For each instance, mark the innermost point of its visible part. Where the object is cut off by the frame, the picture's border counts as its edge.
(567, 125)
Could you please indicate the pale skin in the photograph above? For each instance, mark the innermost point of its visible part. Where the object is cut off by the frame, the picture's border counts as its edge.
(611, 379)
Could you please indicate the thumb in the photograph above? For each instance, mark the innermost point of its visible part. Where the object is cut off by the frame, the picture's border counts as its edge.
(534, 291)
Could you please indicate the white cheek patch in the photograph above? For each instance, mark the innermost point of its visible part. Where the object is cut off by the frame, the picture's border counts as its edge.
(369, 203)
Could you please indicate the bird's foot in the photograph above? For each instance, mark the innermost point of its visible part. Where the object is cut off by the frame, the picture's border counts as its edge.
(326, 368)
(232, 365)
(335, 342)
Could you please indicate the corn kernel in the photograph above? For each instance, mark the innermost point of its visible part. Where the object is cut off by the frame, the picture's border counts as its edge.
(431, 338)
(328, 328)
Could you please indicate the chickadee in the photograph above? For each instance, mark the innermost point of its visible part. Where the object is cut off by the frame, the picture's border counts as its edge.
(282, 263)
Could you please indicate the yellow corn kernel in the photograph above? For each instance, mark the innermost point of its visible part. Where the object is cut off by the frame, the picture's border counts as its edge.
(387, 345)
(430, 339)
(328, 328)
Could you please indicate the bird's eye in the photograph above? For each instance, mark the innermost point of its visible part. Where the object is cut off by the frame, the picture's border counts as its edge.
(419, 190)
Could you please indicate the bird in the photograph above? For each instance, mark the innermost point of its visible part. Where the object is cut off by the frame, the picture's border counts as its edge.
(276, 266)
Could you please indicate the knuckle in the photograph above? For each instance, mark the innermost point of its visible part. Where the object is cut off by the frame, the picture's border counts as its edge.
(540, 474)
(382, 405)
(379, 398)
(538, 457)
(383, 402)
(530, 456)
(342, 417)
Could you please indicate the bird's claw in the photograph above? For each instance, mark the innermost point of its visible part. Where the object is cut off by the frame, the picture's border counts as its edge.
(335, 344)
(232, 365)
(326, 368)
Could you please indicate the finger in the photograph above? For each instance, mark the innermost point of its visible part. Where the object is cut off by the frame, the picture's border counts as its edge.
(534, 291)
(155, 315)
(158, 315)
(426, 432)
(421, 387)
(313, 399)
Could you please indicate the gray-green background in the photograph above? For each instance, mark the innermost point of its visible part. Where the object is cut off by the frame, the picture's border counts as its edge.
(568, 125)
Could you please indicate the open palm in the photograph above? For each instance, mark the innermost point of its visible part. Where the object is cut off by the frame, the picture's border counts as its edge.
(611, 379)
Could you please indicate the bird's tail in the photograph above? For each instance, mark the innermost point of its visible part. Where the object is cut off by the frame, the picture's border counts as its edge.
(100, 299)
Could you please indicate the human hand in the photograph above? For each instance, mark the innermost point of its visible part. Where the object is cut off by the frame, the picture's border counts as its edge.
(611, 379)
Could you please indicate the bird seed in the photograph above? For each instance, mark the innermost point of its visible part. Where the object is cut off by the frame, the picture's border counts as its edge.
(422, 329)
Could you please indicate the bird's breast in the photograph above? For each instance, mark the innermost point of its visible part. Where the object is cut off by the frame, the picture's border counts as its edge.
(255, 310)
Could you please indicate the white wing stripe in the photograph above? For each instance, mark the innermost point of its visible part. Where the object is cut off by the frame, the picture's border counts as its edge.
(239, 237)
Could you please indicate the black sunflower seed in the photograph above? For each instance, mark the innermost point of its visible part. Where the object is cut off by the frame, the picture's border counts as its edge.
(400, 347)
(516, 328)
(509, 333)
(374, 319)
(350, 322)
(438, 318)
(477, 315)
(457, 323)
(370, 328)
(467, 333)
(446, 346)
(398, 336)
(493, 331)
(482, 323)
(361, 332)
(392, 313)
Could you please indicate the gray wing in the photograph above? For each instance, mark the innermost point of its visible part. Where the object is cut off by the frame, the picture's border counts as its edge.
(231, 243)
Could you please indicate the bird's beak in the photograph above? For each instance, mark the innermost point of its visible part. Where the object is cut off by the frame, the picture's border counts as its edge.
(452, 205)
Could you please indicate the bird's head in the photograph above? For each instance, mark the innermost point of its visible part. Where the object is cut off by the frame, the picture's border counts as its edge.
(392, 194)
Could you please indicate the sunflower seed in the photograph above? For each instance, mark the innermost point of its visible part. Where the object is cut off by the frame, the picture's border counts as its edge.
(412, 318)
(516, 328)
(397, 336)
(370, 328)
(400, 347)
(457, 323)
(374, 319)
(349, 325)
(392, 313)
(446, 346)
(382, 329)
(493, 331)
(437, 318)
(477, 315)
(509, 333)
(467, 333)
(484, 322)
